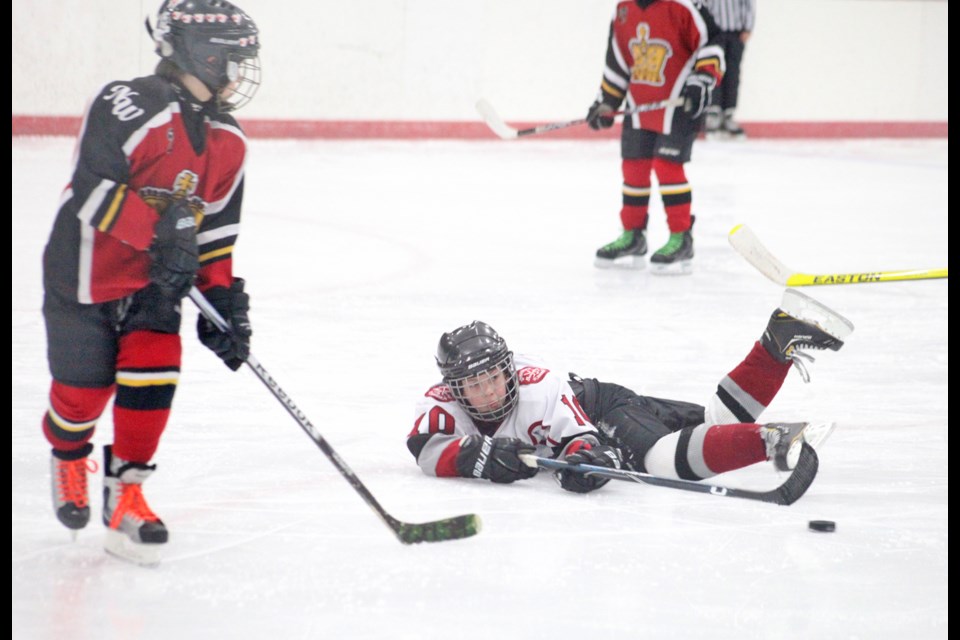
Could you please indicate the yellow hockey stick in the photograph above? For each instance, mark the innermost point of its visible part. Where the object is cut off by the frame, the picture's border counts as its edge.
(743, 240)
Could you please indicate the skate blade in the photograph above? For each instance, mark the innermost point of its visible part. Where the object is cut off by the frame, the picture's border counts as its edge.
(817, 433)
(804, 307)
(637, 263)
(120, 546)
(681, 268)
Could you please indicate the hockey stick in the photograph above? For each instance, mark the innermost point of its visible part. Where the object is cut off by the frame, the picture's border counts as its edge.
(787, 493)
(749, 246)
(436, 531)
(505, 131)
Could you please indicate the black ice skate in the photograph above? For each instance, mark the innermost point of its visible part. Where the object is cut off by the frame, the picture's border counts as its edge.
(625, 252)
(68, 476)
(134, 532)
(803, 323)
(712, 123)
(675, 257)
(731, 128)
(783, 440)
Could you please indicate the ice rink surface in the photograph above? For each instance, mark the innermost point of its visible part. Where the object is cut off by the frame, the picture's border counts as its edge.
(358, 255)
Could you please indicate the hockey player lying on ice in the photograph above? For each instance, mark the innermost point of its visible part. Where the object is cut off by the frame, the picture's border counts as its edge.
(491, 407)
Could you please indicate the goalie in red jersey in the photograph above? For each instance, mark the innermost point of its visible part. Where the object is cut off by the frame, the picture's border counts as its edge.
(492, 407)
(657, 50)
(152, 208)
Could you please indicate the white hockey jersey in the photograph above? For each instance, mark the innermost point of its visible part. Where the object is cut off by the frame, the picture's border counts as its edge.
(547, 415)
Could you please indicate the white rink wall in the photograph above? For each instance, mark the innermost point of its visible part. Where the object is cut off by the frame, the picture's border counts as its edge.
(429, 60)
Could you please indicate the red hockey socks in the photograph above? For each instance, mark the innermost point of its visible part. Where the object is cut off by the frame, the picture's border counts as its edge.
(676, 194)
(636, 192)
(148, 369)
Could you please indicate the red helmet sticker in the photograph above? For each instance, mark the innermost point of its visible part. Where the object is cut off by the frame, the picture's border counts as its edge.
(532, 375)
(440, 392)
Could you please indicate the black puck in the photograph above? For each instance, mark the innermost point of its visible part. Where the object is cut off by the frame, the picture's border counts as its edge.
(822, 525)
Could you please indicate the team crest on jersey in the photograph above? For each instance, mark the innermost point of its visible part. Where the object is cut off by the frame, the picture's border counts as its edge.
(532, 375)
(184, 188)
(185, 184)
(440, 393)
(650, 57)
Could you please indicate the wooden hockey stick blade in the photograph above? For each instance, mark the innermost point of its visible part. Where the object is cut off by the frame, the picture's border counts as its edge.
(746, 243)
(494, 121)
(506, 132)
(801, 477)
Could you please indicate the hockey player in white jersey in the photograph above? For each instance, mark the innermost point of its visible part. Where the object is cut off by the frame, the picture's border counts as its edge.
(491, 407)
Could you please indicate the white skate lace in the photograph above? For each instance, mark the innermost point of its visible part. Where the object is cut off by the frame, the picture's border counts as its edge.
(796, 358)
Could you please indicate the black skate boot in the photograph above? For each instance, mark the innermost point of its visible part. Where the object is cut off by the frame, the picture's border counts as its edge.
(803, 323)
(625, 252)
(68, 475)
(134, 532)
(731, 128)
(675, 257)
(712, 123)
(784, 440)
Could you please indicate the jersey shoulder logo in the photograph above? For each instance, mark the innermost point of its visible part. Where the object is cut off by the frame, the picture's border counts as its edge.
(532, 375)
(650, 57)
(440, 392)
(121, 96)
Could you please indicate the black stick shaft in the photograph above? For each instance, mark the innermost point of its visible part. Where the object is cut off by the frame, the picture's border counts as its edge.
(407, 533)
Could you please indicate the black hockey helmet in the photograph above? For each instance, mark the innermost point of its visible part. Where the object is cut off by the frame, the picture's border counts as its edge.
(469, 353)
(215, 41)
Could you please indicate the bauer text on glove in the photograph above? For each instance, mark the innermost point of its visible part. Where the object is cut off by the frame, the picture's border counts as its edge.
(496, 459)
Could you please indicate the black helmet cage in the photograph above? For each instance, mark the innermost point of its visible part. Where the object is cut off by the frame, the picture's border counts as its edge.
(471, 353)
(215, 41)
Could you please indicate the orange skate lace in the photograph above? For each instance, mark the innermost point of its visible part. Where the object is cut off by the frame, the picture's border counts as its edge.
(72, 480)
(131, 503)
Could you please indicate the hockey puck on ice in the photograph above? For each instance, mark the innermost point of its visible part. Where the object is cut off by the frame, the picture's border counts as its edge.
(822, 525)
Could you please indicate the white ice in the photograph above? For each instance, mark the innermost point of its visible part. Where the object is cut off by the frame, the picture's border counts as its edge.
(359, 254)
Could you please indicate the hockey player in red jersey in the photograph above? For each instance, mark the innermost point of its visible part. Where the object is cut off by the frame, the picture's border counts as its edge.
(491, 407)
(657, 49)
(152, 208)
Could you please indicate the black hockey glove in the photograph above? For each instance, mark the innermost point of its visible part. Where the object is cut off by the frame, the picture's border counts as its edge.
(232, 304)
(598, 116)
(697, 93)
(598, 455)
(174, 251)
(496, 459)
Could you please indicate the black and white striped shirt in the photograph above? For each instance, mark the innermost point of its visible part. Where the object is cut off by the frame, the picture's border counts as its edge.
(732, 15)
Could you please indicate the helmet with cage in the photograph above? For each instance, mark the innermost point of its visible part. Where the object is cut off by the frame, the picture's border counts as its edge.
(215, 41)
(478, 368)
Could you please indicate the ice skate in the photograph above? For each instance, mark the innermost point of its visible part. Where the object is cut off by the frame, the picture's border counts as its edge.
(68, 476)
(784, 440)
(625, 252)
(803, 323)
(675, 257)
(134, 532)
(731, 128)
(712, 123)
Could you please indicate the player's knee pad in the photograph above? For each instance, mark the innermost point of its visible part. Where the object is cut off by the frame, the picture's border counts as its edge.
(669, 173)
(70, 420)
(636, 172)
(148, 370)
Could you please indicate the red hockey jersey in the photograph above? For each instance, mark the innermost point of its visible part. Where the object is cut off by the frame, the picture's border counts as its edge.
(142, 143)
(652, 47)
